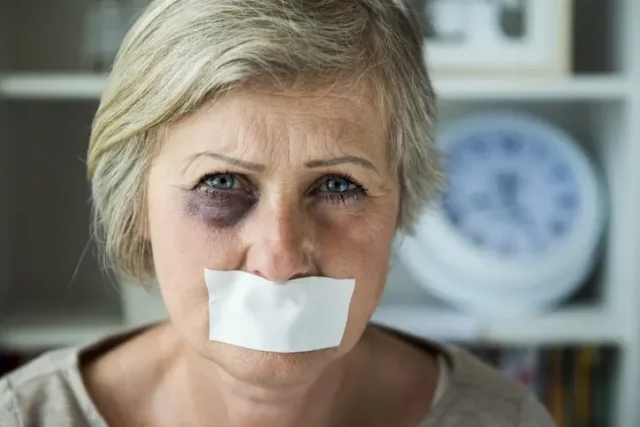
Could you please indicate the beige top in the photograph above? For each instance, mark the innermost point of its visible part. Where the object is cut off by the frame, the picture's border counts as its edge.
(49, 392)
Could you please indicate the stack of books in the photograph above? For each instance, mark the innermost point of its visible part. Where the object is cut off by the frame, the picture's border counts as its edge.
(575, 383)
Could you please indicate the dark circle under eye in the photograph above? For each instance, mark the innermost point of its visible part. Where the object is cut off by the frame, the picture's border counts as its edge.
(222, 181)
(338, 184)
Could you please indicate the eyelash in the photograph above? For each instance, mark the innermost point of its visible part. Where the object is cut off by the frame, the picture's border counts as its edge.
(335, 198)
(343, 198)
(214, 193)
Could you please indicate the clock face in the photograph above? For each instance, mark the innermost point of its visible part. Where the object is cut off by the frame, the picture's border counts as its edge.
(511, 192)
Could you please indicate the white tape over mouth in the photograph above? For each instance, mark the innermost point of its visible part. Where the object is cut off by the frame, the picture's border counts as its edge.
(300, 315)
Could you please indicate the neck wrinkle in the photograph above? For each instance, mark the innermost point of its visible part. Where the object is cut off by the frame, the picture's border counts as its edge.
(219, 398)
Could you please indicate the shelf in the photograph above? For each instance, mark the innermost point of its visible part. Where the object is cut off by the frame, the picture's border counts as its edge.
(614, 87)
(52, 86)
(52, 323)
(573, 325)
(32, 333)
(570, 325)
(578, 88)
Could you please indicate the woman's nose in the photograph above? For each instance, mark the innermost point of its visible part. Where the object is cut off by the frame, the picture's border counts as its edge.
(279, 245)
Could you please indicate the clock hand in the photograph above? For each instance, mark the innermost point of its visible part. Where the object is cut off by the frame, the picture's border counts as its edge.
(508, 186)
(530, 226)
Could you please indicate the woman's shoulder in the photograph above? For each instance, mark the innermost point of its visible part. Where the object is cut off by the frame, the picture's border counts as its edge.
(471, 393)
(50, 391)
(477, 393)
(44, 392)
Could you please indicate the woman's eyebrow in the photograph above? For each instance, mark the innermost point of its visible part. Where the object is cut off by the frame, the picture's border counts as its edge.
(340, 160)
(257, 167)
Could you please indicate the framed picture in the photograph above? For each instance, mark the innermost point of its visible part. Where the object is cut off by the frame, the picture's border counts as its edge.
(498, 36)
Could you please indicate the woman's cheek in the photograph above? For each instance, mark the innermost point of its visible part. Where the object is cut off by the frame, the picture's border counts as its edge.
(339, 214)
(204, 234)
(364, 221)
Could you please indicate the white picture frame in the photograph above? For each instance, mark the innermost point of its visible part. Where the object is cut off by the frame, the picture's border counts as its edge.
(470, 36)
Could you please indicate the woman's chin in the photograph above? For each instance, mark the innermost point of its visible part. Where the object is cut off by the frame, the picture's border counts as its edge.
(269, 368)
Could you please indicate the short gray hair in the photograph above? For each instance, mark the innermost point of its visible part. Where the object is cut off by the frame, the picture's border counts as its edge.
(183, 53)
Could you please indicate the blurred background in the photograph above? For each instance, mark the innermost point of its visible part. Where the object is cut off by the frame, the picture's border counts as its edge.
(530, 258)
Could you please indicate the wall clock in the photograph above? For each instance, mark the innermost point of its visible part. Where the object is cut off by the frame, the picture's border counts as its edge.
(520, 222)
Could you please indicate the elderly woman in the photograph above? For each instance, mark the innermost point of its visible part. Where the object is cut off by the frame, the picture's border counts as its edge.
(277, 146)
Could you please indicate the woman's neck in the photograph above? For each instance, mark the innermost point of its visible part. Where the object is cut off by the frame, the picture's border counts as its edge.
(381, 382)
(216, 397)
(235, 403)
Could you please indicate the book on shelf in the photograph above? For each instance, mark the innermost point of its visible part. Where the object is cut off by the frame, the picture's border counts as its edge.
(574, 383)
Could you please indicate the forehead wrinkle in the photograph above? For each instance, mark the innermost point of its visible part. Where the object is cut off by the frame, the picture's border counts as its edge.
(344, 131)
(275, 129)
(248, 130)
(261, 131)
(332, 136)
(317, 136)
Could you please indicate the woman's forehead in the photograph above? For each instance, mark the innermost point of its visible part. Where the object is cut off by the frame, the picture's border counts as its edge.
(311, 123)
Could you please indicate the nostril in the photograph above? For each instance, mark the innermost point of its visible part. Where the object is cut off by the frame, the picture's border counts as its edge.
(282, 278)
(299, 276)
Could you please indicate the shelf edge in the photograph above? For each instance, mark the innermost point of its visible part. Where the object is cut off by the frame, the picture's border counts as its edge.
(603, 87)
(589, 325)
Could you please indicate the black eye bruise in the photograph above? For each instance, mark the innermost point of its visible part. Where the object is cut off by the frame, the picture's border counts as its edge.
(226, 211)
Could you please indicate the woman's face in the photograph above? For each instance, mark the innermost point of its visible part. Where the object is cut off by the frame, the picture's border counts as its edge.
(281, 185)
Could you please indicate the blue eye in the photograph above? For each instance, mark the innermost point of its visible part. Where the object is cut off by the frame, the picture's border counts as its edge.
(338, 184)
(221, 181)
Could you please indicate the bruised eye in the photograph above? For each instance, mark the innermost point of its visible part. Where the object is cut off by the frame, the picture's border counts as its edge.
(338, 184)
(223, 199)
(221, 181)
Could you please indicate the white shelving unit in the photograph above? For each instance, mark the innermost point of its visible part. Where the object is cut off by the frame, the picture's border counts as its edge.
(52, 86)
(37, 86)
(57, 295)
